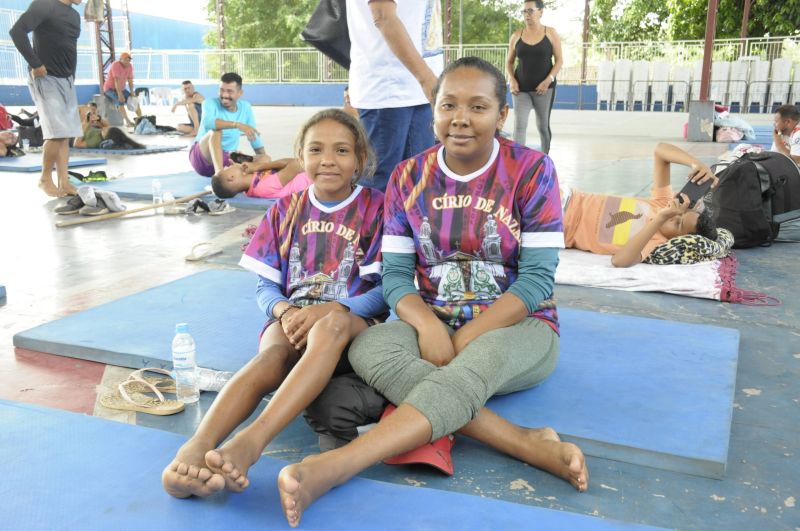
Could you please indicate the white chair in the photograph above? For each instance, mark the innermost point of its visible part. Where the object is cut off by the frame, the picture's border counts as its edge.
(794, 95)
(697, 75)
(718, 90)
(737, 87)
(759, 72)
(659, 88)
(622, 82)
(640, 82)
(681, 83)
(779, 82)
(605, 83)
(162, 96)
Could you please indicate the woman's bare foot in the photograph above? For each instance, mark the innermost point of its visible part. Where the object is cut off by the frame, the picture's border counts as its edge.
(50, 189)
(544, 449)
(187, 474)
(233, 460)
(301, 484)
(67, 189)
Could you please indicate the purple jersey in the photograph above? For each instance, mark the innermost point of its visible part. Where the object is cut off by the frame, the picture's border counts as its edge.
(318, 253)
(468, 230)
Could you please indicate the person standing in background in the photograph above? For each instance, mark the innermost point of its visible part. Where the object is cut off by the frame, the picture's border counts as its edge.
(533, 82)
(396, 53)
(52, 60)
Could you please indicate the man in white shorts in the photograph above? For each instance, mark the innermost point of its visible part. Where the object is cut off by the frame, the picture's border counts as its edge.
(52, 59)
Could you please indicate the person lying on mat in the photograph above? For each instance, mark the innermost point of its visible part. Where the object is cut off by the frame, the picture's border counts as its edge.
(8, 147)
(630, 228)
(268, 179)
(95, 135)
(224, 119)
(477, 221)
(317, 254)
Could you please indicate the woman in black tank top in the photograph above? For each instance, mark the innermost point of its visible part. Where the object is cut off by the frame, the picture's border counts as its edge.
(533, 81)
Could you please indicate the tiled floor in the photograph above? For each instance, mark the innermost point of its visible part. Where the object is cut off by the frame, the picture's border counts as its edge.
(50, 272)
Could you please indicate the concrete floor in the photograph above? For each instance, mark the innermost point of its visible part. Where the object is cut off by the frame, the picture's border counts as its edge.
(50, 272)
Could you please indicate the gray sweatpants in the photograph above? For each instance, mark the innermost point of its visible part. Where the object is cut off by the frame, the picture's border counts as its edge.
(523, 103)
(501, 361)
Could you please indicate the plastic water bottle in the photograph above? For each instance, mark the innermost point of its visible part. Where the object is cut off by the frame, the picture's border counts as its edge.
(158, 197)
(26, 145)
(184, 365)
(211, 380)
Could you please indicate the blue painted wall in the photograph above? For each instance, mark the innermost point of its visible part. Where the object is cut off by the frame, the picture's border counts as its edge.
(299, 94)
(147, 31)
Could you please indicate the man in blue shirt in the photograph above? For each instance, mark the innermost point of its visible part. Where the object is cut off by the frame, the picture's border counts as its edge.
(224, 119)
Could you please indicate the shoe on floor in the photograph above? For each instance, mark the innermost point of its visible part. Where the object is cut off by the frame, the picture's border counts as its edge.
(97, 210)
(72, 206)
(219, 207)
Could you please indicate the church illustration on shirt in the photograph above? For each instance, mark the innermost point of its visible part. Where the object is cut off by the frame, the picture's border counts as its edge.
(319, 286)
(462, 276)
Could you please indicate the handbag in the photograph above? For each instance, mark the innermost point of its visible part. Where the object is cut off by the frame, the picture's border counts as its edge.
(327, 31)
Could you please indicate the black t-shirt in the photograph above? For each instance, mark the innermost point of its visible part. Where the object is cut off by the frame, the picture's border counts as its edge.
(56, 28)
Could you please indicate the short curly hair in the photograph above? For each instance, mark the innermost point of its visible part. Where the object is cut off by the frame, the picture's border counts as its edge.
(706, 226)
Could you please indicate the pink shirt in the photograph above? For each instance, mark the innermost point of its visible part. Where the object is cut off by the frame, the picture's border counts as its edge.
(117, 70)
(268, 186)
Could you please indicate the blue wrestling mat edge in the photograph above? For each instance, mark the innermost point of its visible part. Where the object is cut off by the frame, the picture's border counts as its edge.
(23, 164)
(118, 467)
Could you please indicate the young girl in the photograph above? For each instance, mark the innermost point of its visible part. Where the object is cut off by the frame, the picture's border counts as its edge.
(317, 253)
(478, 220)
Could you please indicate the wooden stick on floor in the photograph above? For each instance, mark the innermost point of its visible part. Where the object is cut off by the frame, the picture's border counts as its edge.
(112, 215)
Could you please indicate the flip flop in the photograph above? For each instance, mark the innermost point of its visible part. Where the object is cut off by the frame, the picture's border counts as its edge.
(203, 250)
(157, 405)
(138, 383)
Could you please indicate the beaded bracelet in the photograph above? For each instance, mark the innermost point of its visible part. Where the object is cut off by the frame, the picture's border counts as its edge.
(286, 310)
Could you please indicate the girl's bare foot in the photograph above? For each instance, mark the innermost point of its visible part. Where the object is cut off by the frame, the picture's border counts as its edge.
(233, 460)
(301, 484)
(49, 188)
(187, 475)
(545, 450)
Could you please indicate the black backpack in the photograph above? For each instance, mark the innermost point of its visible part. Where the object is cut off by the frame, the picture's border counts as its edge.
(30, 133)
(756, 193)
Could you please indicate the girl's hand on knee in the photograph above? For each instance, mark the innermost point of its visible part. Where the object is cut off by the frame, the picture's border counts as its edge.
(301, 321)
(435, 344)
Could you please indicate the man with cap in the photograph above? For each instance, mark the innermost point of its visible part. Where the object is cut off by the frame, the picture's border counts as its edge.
(114, 86)
(52, 59)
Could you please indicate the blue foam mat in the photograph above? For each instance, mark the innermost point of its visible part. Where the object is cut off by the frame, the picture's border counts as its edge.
(31, 163)
(644, 391)
(179, 185)
(67, 471)
(141, 151)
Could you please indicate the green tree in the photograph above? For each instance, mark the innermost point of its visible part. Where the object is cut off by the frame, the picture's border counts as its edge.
(633, 20)
(644, 20)
(278, 23)
(767, 17)
(262, 23)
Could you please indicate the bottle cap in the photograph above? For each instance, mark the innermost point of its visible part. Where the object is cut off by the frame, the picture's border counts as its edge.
(181, 328)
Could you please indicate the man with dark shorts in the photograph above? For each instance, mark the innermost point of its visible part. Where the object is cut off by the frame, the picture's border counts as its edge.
(119, 73)
(224, 119)
(52, 59)
(193, 101)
